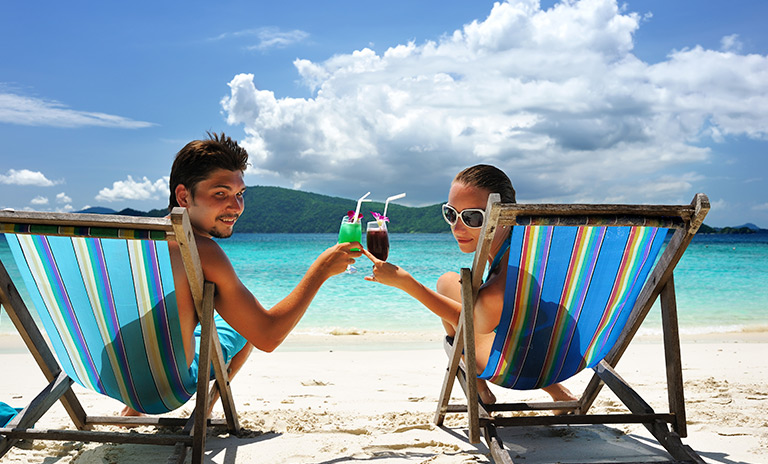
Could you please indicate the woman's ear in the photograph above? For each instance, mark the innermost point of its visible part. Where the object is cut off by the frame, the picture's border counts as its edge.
(183, 196)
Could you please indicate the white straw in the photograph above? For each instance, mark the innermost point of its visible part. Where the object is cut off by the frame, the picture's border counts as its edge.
(359, 202)
(393, 197)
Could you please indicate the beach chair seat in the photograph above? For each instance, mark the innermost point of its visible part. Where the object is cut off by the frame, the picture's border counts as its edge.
(103, 291)
(580, 281)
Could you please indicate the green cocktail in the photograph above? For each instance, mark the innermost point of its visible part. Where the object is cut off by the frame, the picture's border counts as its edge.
(350, 232)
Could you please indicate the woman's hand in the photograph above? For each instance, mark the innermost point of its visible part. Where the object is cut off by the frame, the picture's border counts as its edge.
(387, 273)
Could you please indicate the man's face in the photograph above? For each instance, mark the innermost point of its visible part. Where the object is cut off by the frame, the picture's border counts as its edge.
(216, 204)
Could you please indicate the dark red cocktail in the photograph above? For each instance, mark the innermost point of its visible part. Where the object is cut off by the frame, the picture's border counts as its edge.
(377, 241)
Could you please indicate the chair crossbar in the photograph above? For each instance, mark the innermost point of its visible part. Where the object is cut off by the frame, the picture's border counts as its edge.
(83, 231)
(596, 220)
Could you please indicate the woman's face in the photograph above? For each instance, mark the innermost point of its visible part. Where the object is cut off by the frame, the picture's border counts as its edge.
(462, 197)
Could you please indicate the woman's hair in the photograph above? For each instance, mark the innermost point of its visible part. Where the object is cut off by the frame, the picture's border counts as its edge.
(199, 158)
(489, 178)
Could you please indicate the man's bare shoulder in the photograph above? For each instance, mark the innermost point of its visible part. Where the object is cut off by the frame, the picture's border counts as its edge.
(211, 253)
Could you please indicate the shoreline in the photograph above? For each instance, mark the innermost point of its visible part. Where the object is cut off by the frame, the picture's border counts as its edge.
(366, 340)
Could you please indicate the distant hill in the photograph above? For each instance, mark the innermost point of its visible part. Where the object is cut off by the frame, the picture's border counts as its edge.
(277, 209)
(97, 210)
(282, 210)
(745, 229)
(124, 212)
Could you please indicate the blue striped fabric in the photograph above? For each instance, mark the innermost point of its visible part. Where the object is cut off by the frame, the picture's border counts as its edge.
(568, 296)
(109, 309)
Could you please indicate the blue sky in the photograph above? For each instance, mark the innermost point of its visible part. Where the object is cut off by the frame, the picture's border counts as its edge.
(578, 101)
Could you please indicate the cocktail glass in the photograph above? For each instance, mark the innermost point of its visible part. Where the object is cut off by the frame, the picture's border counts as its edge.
(377, 239)
(350, 232)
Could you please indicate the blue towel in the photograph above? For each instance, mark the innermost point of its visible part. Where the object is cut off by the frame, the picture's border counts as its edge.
(7, 413)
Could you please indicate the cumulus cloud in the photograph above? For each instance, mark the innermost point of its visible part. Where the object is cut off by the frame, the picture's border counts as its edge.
(131, 189)
(26, 177)
(39, 200)
(30, 111)
(63, 198)
(554, 97)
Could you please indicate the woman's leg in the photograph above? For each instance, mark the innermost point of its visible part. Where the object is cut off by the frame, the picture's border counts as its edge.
(449, 284)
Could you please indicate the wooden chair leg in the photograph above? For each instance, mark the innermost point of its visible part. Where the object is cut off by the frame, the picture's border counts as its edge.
(36, 408)
(454, 357)
(473, 406)
(632, 400)
(203, 376)
(672, 356)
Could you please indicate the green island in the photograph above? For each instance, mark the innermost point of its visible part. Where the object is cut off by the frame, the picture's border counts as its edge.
(282, 210)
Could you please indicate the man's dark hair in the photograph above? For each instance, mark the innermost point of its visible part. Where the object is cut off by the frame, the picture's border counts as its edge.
(199, 158)
(489, 178)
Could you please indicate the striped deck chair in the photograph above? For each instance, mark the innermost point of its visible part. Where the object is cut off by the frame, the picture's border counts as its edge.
(580, 282)
(102, 286)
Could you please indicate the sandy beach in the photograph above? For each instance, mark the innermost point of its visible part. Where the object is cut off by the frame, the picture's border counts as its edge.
(371, 397)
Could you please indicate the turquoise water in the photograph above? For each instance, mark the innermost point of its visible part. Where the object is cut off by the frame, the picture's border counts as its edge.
(721, 282)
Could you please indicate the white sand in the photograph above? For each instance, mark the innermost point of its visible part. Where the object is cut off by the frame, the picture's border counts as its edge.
(350, 398)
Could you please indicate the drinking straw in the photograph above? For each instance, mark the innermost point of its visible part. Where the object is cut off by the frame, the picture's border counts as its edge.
(393, 197)
(357, 210)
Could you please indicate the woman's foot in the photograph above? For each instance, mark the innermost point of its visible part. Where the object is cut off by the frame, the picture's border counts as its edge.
(559, 393)
(485, 393)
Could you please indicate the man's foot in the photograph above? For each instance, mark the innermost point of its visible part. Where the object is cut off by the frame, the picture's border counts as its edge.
(129, 411)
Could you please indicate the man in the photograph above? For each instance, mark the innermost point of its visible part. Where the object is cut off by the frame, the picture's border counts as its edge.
(207, 180)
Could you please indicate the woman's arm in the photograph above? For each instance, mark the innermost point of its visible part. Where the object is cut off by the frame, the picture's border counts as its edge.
(445, 303)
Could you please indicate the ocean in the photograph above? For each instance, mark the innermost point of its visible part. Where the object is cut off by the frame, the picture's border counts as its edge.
(721, 282)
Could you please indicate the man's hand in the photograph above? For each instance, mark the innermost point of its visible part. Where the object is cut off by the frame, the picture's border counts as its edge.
(335, 259)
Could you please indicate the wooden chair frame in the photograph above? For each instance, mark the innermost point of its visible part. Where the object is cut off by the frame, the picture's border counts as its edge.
(685, 220)
(174, 228)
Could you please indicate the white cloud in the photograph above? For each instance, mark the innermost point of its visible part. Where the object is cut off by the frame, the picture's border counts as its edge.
(26, 177)
(39, 201)
(131, 189)
(731, 43)
(30, 111)
(761, 207)
(274, 38)
(555, 98)
(63, 198)
(268, 37)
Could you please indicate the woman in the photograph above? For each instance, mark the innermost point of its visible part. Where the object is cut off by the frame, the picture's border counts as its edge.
(464, 211)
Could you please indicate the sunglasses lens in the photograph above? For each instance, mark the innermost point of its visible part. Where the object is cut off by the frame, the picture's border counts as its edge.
(472, 219)
(449, 214)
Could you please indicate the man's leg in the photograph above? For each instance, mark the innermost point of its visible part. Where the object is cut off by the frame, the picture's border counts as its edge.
(238, 360)
(234, 348)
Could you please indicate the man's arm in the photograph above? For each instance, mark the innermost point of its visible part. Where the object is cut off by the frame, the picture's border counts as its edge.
(266, 329)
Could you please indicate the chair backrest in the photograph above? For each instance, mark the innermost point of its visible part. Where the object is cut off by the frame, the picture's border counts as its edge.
(574, 276)
(104, 292)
